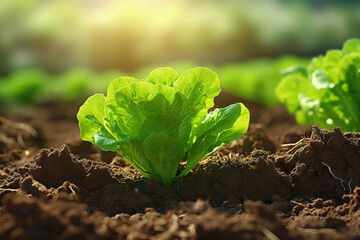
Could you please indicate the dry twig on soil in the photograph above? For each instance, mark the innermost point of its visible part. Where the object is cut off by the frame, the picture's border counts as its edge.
(17, 126)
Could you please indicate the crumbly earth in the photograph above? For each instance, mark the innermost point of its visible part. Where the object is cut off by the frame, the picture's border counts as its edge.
(279, 181)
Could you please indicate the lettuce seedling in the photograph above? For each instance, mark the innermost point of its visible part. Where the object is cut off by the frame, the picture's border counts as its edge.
(158, 122)
(328, 91)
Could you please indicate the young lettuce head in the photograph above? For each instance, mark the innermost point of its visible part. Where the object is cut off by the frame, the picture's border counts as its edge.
(328, 91)
(158, 122)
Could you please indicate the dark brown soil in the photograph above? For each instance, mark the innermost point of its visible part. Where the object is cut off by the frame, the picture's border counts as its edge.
(54, 186)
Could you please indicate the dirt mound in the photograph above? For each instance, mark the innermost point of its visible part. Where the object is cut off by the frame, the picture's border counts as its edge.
(218, 178)
(25, 217)
(326, 165)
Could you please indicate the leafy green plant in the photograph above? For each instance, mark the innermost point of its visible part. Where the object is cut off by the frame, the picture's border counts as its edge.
(81, 82)
(328, 91)
(256, 80)
(33, 85)
(74, 84)
(24, 87)
(163, 120)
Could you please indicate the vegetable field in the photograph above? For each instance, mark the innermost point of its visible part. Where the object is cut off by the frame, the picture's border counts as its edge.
(261, 147)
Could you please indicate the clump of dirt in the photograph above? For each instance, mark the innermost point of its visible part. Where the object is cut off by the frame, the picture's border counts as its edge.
(86, 174)
(90, 181)
(223, 177)
(255, 138)
(325, 165)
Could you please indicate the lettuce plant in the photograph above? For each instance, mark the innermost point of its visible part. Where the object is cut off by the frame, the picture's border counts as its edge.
(158, 122)
(328, 91)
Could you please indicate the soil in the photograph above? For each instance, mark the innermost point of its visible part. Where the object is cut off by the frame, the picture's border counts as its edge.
(279, 181)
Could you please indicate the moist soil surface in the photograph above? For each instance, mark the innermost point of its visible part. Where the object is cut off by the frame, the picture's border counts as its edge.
(279, 181)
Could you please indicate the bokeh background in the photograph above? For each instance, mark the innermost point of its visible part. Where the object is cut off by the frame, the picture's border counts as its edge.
(86, 43)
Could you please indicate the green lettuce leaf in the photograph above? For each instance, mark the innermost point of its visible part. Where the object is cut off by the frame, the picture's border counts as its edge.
(199, 86)
(165, 153)
(165, 75)
(91, 117)
(219, 127)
